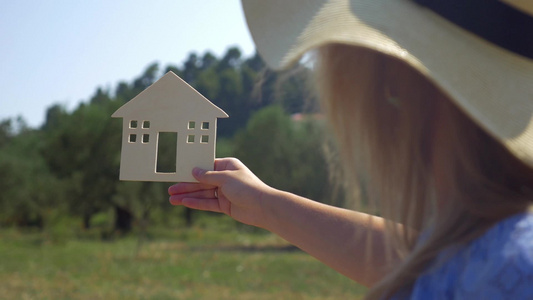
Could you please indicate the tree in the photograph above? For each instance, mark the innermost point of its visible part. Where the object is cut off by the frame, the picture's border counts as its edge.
(84, 153)
(191, 69)
(27, 188)
(208, 61)
(286, 154)
(101, 97)
(231, 60)
(77, 153)
(55, 115)
(147, 78)
(6, 132)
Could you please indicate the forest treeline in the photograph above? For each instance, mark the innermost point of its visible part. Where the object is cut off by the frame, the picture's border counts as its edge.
(69, 166)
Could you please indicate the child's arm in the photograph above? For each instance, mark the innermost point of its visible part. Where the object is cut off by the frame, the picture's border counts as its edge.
(338, 237)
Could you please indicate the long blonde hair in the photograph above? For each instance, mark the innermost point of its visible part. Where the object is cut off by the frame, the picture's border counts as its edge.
(424, 163)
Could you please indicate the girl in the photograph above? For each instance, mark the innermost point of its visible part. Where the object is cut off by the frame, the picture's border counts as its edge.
(433, 104)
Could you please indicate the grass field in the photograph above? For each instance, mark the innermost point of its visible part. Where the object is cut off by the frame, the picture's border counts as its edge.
(203, 262)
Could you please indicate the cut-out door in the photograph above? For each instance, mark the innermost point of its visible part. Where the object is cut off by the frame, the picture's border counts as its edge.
(167, 152)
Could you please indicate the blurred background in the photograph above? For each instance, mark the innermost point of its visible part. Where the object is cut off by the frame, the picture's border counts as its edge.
(69, 229)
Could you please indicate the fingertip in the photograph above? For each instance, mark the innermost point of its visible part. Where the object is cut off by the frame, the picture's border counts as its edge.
(175, 188)
(171, 189)
(174, 200)
(198, 172)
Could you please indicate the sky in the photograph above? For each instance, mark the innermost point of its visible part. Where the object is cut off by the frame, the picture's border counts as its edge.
(60, 51)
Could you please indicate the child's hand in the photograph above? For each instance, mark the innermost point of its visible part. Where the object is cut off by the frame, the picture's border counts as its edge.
(239, 192)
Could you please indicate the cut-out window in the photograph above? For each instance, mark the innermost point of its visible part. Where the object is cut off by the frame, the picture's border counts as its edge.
(192, 124)
(133, 124)
(146, 138)
(204, 139)
(146, 124)
(190, 138)
(133, 138)
(205, 125)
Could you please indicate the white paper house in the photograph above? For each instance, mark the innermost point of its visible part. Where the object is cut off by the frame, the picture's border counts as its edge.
(169, 107)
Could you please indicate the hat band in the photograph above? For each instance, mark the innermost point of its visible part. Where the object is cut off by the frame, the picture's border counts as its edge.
(491, 20)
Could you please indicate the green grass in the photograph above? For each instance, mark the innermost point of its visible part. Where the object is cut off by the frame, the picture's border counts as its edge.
(204, 262)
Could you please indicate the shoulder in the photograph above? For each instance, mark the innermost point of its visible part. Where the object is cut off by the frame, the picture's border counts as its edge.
(517, 237)
(509, 242)
(497, 265)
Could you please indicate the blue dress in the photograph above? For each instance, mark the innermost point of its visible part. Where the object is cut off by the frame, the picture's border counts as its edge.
(497, 265)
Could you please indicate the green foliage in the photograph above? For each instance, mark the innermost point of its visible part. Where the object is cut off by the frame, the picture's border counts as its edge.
(84, 153)
(69, 167)
(63, 179)
(5, 132)
(284, 153)
(27, 188)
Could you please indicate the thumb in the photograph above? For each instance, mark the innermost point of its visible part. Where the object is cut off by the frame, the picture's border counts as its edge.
(208, 177)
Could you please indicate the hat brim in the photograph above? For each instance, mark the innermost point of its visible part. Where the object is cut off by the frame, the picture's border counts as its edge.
(492, 85)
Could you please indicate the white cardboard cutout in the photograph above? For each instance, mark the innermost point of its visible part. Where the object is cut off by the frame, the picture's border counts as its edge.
(168, 105)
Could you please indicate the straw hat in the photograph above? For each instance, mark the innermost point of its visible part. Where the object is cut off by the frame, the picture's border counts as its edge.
(479, 52)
